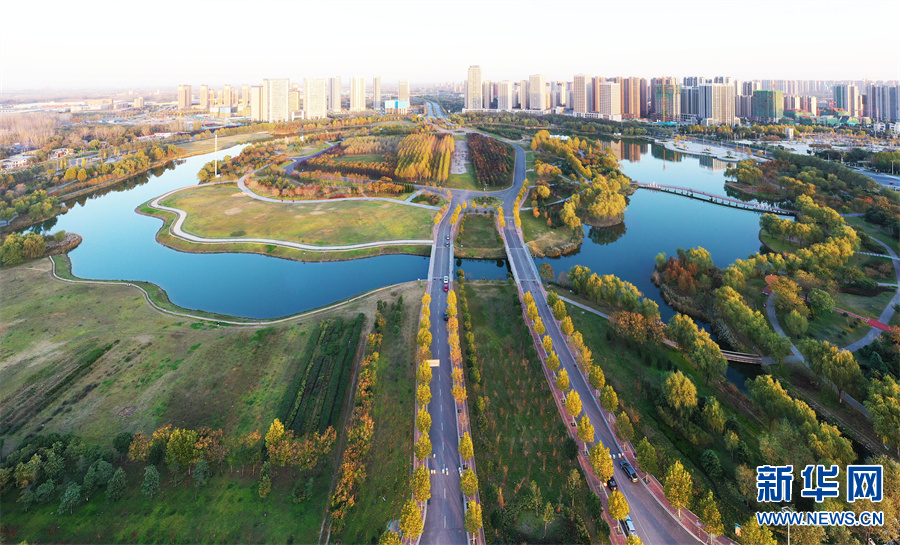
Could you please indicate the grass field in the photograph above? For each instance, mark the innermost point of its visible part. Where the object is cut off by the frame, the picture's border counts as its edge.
(144, 370)
(205, 146)
(520, 437)
(367, 158)
(390, 459)
(477, 237)
(868, 307)
(464, 181)
(539, 236)
(874, 231)
(224, 211)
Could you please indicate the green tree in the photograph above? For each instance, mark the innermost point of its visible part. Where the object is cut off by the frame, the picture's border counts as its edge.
(546, 271)
(680, 393)
(411, 520)
(795, 323)
(732, 442)
(838, 366)
(609, 399)
(754, 534)
(423, 447)
(150, 486)
(573, 483)
(473, 517)
(552, 298)
(646, 457)
(573, 403)
(884, 404)
(585, 430)
(562, 381)
(466, 450)
(597, 378)
(624, 429)
(714, 415)
(116, 486)
(122, 441)
(618, 506)
(559, 309)
(707, 356)
(265, 486)
(821, 302)
(201, 473)
(677, 486)
(421, 484)
(710, 463)
(709, 514)
(70, 499)
(548, 515)
(683, 331)
(601, 462)
(468, 483)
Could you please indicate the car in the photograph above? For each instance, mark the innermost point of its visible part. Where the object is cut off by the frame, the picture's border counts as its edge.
(446, 244)
(446, 280)
(446, 316)
(629, 471)
(629, 525)
(612, 484)
(446, 288)
(448, 237)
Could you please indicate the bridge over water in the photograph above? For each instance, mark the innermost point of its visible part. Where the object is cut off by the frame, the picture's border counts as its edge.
(715, 199)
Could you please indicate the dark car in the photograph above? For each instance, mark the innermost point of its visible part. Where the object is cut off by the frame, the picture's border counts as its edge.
(626, 467)
(612, 484)
(446, 316)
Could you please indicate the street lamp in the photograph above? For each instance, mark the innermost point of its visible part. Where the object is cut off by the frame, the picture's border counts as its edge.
(788, 509)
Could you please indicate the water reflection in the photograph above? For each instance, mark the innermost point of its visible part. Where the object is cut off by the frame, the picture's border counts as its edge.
(607, 235)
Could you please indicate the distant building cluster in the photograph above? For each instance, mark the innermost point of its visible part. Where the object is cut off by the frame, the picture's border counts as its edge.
(719, 100)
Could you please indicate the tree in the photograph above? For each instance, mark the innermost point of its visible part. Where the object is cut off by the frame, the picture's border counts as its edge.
(116, 486)
(732, 442)
(566, 326)
(618, 506)
(884, 404)
(539, 326)
(707, 356)
(709, 514)
(609, 399)
(423, 394)
(70, 498)
(201, 473)
(553, 361)
(646, 456)
(680, 392)
(473, 517)
(678, 486)
(559, 309)
(601, 462)
(181, 450)
(411, 520)
(710, 464)
(562, 381)
(596, 377)
(754, 534)
(265, 486)
(714, 415)
(466, 450)
(821, 302)
(573, 403)
(547, 343)
(585, 430)
(795, 323)
(122, 441)
(573, 483)
(552, 299)
(423, 447)
(423, 339)
(546, 271)
(548, 514)
(421, 484)
(468, 483)
(150, 486)
(633, 539)
(423, 420)
(531, 311)
(838, 366)
(624, 429)
(389, 538)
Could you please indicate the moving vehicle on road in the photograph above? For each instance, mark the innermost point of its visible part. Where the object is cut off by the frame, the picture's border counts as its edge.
(629, 471)
(612, 484)
(629, 525)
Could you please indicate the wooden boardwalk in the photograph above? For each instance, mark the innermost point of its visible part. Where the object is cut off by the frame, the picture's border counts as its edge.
(715, 199)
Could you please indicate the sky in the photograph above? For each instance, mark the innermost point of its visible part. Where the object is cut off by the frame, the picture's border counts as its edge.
(69, 45)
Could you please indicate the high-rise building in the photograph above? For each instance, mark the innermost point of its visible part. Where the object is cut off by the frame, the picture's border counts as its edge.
(226, 97)
(791, 102)
(847, 97)
(505, 100)
(256, 103)
(631, 98)
(403, 91)
(609, 101)
(557, 94)
(748, 87)
(294, 100)
(580, 93)
(245, 95)
(204, 97)
(665, 100)
(767, 106)
(537, 92)
(334, 94)
(882, 102)
(524, 95)
(690, 104)
(487, 94)
(809, 104)
(138, 102)
(185, 100)
(645, 99)
(315, 98)
(276, 100)
(474, 90)
(743, 106)
(357, 94)
(716, 104)
(376, 94)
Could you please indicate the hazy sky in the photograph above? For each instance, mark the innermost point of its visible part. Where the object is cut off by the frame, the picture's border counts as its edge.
(81, 44)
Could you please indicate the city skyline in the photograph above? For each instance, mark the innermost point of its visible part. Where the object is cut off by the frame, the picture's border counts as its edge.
(666, 44)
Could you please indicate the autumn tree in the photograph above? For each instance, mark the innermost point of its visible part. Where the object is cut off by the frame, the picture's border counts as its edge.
(547, 343)
(624, 429)
(559, 309)
(585, 429)
(646, 456)
(838, 366)
(423, 394)
(466, 450)
(562, 381)
(566, 325)
(709, 514)
(573, 403)
(714, 415)
(601, 462)
(707, 356)
(539, 326)
(423, 420)
(618, 506)
(678, 486)
(473, 517)
(680, 393)
(884, 404)
(553, 361)
(421, 484)
(608, 399)
(423, 447)
(754, 534)
(597, 378)
(411, 520)
(468, 483)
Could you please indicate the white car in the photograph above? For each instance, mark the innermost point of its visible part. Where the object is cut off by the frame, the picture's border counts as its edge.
(446, 280)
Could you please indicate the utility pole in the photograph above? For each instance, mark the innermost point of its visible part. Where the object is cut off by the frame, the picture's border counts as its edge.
(216, 158)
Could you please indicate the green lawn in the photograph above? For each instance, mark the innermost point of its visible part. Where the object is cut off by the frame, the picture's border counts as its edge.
(477, 237)
(868, 307)
(836, 328)
(539, 236)
(874, 231)
(520, 437)
(389, 463)
(464, 181)
(366, 158)
(224, 211)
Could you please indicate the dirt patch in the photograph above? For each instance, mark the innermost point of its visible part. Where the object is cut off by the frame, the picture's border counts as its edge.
(144, 339)
(239, 194)
(126, 412)
(232, 211)
(316, 212)
(39, 353)
(459, 158)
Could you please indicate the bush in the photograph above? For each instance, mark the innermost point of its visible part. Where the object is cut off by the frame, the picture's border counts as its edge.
(711, 465)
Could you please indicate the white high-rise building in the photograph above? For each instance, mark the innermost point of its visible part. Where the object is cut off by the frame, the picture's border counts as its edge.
(505, 98)
(315, 98)
(185, 99)
(256, 105)
(580, 93)
(204, 97)
(403, 91)
(334, 94)
(376, 94)
(276, 100)
(487, 94)
(609, 100)
(474, 100)
(523, 94)
(227, 99)
(715, 104)
(357, 94)
(537, 92)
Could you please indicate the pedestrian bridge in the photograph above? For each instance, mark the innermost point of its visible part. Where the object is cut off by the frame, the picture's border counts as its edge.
(715, 199)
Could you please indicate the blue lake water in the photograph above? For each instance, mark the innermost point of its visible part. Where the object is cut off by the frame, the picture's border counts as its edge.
(120, 244)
